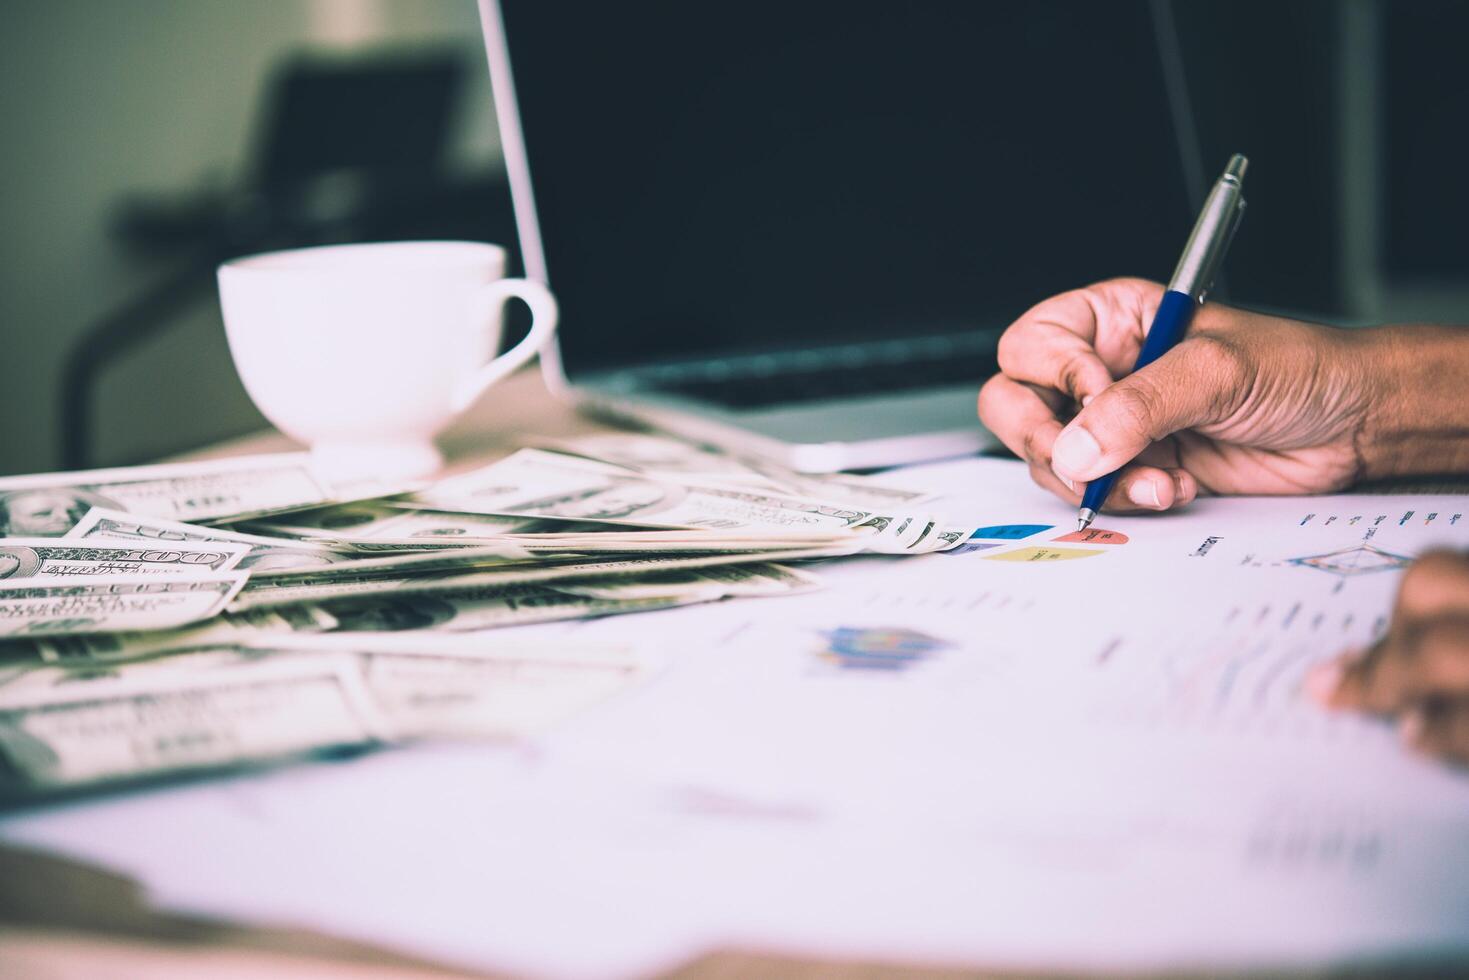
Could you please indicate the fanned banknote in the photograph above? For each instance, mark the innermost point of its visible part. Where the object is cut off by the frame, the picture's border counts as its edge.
(446, 684)
(165, 722)
(232, 706)
(158, 620)
(52, 558)
(376, 522)
(50, 504)
(101, 604)
(292, 590)
(535, 483)
(686, 462)
(264, 553)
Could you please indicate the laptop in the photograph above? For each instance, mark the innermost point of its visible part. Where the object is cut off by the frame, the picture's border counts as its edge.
(797, 230)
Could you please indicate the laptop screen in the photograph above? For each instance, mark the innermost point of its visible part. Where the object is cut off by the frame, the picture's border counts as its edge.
(717, 179)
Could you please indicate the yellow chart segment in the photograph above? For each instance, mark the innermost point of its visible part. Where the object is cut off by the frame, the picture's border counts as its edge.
(1045, 553)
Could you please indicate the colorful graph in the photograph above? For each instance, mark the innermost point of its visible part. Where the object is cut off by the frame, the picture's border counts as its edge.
(1364, 559)
(999, 535)
(863, 648)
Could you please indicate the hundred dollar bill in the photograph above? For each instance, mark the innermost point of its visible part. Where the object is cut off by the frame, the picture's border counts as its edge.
(113, 603)
(42, 679)
(288, 590)
(373, 520)
(700, 585)
(94, 650)
(445, 530)
(411, 563)
(615, 541)
(441, 695)
(391, 526)
(263, 553)
(56, 558)
(465, 608)
(551, 551)
(164, 723)
(681, 542)
(471, 609)
(688, 463)
(50, 504)
(514, 604)
(456, 686)
(534, 483)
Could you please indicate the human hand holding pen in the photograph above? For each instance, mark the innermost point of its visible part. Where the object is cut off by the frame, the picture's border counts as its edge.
(1245, 404)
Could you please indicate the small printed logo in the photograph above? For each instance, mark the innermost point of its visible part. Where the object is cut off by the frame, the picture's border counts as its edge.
(1203, 549)
(861, 648)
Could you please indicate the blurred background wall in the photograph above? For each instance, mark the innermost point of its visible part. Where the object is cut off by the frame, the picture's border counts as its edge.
(104, 103)
(136, 131)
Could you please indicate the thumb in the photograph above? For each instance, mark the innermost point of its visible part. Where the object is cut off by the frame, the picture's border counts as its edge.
(1194, 384)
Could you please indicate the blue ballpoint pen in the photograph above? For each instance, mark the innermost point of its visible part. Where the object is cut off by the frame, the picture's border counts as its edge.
(1191, 280)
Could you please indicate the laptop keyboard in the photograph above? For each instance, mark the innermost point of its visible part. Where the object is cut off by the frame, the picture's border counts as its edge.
(791, 387)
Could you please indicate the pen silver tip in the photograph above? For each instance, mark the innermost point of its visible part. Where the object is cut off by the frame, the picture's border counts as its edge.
(1237, 167)
(1084, 518)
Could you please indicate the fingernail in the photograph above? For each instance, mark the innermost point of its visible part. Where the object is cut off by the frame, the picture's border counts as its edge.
(1324, 679)
(1144, 493)
(1087, 400)
(1412, 725)
(1070, 484)
(1076, 452)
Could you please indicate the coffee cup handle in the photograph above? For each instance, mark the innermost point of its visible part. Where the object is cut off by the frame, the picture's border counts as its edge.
(543, 324)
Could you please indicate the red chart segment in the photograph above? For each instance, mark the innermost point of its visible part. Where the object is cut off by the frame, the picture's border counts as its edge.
(1094, 535)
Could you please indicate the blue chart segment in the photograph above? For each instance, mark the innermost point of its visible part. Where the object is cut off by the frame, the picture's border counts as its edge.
(855, 648)
(1010, 532)
(1361, 560)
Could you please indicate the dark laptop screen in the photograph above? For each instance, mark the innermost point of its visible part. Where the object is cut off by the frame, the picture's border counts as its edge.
(722, 178)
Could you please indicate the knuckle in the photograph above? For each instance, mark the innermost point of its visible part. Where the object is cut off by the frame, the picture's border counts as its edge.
(1223, 367)
(1382, 684)
(1413, 582)
(1073, 372)
(1443, 645)
(1136, 402)
(1457, 735)
(1220, 354)
(1036, 450)
(1434, 565)
(1041, 476)
(990, 395)
(1407, 650)
(1426, 578)
(1124, 298)
(1009, 351)
(1129, 283)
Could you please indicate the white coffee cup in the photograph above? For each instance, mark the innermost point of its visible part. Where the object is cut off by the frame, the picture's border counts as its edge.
(365, 352)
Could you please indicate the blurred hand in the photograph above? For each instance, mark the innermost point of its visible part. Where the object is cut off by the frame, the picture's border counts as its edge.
(1420, 670)
(1245, 404)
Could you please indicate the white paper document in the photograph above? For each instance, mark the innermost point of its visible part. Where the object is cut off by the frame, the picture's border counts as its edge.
(1041, 750)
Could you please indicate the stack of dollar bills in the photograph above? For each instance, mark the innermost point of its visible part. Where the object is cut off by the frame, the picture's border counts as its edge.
(161, 620)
